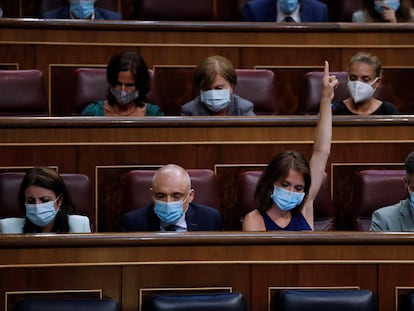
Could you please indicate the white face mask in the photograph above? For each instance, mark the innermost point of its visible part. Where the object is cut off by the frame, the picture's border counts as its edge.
(361, 91)
(216, 100)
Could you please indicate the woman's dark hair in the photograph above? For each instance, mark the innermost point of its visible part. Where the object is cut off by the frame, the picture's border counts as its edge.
(403, 14)
(278, 168)
(47, 178)
(129, 61)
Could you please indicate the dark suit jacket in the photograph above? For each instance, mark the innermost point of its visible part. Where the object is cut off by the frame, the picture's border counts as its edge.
(198, 218)
(266, 11)
(63, 13)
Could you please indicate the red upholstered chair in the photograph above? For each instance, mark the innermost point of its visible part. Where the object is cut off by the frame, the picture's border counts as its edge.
(324, 211)
(258, 86)
(23, 93)
(78, 186)
(91, 85)
(311, 91)
(374, 189)
(185, 10)
(139, 182)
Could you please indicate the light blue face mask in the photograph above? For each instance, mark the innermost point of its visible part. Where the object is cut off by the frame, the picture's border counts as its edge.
(286, 200)
(41, 214)
(82, 9)
(394, 4)
(288, 6)
(216, 100)
(170, 212)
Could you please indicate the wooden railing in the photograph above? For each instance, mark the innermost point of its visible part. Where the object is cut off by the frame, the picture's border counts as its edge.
(130, 267)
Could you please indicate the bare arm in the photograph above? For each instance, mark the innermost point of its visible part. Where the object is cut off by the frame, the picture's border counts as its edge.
(322, 142)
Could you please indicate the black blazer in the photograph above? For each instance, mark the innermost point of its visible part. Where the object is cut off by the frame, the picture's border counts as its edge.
(198, 218)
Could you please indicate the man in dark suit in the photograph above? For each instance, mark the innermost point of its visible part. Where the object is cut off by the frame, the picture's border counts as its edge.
(82, 9)
(172, 208)
(306, 11)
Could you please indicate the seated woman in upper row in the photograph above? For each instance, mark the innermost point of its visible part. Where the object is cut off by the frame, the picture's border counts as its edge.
(216, 78)
(129, 82)
(389, 11)
(364, 77)
(45, 200)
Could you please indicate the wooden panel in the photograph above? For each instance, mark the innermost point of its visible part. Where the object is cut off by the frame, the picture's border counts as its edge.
(130, 267)
(73, 282)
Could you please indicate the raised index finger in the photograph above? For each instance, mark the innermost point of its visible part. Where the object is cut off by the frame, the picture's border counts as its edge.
(326, 70)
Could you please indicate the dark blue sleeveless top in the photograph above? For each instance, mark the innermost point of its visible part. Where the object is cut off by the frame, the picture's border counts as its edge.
(297, 223)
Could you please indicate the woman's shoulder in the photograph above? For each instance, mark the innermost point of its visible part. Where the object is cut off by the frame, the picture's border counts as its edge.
(94, 109)
(387, 108)
(243, 106)
(153, 110)
(253, 221)
(359, 16)
(79, 223)
(12, 225)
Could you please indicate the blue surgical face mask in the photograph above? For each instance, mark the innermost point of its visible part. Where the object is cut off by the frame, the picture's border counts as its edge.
(124, 98)
(286, 200)
(169, 212)
(82, 9)
(216, 100)
(41, 214)
(288, 6)
(394, 4)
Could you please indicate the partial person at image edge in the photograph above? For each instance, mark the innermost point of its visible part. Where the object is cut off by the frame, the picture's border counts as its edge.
(45, 200)
(400, 216)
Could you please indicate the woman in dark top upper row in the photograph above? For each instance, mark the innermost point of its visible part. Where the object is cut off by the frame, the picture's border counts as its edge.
(364, 77)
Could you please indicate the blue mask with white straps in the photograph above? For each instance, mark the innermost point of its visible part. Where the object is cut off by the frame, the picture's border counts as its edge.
(286, 200)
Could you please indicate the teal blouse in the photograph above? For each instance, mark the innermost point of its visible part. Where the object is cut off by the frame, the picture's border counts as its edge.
(97, 109)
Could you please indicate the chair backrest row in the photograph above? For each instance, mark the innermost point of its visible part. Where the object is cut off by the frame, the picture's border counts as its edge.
(24, 92)
(201, 10)
(373, 189)
(258, 86)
